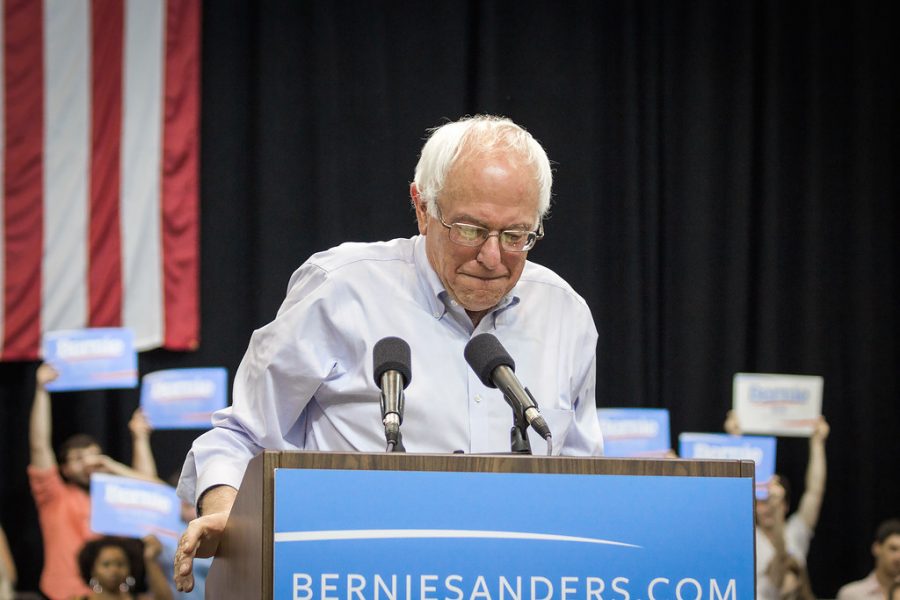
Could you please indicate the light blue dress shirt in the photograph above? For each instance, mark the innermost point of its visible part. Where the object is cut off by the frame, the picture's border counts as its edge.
(306, 381)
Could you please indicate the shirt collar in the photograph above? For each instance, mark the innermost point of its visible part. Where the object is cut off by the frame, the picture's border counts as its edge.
(436, 295)
(871, 583)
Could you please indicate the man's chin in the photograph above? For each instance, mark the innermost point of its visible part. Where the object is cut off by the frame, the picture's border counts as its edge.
(477, 303)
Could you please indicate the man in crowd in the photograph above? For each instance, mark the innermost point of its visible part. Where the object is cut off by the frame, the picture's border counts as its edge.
(886, 574)
(60, 492)
(480, 193)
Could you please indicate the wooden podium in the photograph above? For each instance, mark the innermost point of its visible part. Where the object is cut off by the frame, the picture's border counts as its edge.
(243, 566)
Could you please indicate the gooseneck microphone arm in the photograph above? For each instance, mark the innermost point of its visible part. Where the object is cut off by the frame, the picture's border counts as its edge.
(392, 411)
(496, 368)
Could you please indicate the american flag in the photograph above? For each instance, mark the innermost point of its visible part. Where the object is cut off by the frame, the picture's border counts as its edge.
(100, 166)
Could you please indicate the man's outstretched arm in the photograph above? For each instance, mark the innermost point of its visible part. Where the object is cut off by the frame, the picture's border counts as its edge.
(40, 425)
(816, 470)
(142, 459)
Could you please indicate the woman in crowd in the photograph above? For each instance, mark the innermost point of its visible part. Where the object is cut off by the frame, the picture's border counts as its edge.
(122, 568)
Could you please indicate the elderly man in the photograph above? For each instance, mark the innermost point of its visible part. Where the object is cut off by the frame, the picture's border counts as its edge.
(480, 193)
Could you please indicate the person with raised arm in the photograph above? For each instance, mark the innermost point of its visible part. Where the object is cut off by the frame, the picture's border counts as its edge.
(783, 540)
(61, 492)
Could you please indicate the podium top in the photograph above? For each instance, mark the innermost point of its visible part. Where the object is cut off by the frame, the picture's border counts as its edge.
(505, 463)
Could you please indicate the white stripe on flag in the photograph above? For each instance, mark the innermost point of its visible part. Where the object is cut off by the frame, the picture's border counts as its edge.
(141, 172)
(66, 163)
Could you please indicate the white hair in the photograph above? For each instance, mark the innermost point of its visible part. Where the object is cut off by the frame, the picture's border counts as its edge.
(486, 133)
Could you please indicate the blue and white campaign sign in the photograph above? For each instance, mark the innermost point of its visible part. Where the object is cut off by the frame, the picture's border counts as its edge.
(91, 359)
(634, 432)
(788, 405)
(183, 398)
(760, 449)
(134, 508)
(382, 535)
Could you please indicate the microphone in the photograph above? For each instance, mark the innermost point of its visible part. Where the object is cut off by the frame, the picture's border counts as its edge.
(496, 369)
(391, 363)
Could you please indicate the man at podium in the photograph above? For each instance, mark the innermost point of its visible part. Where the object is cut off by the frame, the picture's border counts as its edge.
(480, 194)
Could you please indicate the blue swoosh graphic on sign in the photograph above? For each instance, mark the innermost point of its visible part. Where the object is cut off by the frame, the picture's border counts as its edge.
(384, 534)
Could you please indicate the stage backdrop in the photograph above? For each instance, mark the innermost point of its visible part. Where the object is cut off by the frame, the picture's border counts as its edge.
(725, 200)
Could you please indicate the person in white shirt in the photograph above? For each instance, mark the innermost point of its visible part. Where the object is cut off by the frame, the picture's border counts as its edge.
(781, 540)
(885, 577)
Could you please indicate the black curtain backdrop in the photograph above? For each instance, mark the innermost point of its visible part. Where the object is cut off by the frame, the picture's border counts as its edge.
(725, 200)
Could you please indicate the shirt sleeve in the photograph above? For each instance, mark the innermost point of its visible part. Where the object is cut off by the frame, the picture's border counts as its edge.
(585, 437)
(46, 484)
(797, 537)
(285, 363)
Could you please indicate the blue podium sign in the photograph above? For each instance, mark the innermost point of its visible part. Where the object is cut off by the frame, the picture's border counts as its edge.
(392, 535)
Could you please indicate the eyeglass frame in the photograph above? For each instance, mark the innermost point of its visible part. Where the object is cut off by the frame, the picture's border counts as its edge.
(533, 236)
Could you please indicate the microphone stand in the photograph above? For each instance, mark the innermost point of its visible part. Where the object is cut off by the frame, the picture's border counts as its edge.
(518, 434)
(398, 447)
(392, 412)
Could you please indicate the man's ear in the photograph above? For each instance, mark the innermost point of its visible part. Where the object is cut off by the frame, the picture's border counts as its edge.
(421, 208)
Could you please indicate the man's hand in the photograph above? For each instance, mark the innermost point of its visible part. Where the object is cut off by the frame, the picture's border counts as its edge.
(100, 463)
(820, 430)
(45, 374)
(732, 425)
(138, 425)
(200, 539)
(202, 536)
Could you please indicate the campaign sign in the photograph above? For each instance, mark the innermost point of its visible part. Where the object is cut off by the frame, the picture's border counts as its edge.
(787, 405)
(135, 508)
(91, 359)
(634, 432)
(408, 534)
(183, 398)
(759, 449)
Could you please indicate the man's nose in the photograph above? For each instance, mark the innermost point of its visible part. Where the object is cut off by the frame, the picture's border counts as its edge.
(489, 254)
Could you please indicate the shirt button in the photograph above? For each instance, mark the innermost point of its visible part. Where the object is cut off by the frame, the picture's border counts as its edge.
(477, 397)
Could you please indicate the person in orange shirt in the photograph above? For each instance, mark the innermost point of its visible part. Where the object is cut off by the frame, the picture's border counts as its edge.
(60, 491)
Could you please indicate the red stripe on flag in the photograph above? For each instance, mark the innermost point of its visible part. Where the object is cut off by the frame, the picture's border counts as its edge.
(104, 245)
(23, 214)
(180, 171)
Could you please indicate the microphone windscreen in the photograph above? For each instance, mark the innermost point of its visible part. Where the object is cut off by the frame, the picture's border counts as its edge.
(484, 353)
(391, 354)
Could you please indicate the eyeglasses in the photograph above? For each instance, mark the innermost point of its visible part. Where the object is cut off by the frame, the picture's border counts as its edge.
(511, 240)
